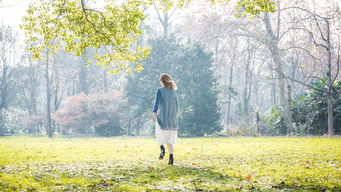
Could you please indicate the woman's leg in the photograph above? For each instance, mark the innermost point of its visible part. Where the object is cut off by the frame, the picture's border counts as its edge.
(162, 154)
(170, 151)
(170, 148)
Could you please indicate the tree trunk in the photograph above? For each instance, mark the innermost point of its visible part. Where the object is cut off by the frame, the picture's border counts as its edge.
(105, 81)
(164, 20)
(48, 98)
(272, 44)
(246, 86)
(4, 86)
(289, 112)
(33, 110)
(280, 77)
(228, 115)
(330, 113)
(165, 24)
(273, 93)
(330, 86)
(128, 126)
(4, 93)
(2, 132)
(257, 123)
(33, 84)
(83, 86)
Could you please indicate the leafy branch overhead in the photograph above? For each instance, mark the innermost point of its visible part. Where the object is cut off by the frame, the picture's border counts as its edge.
(110, 33)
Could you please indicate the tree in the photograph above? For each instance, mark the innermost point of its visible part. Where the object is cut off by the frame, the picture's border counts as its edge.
(8, 58)
(47, 74)
(320, 33)
(116, 28)
(311, 109)
(201, 116)
(191, 68)
(140, 87)
(164, 16)
(28, 85)
(76, 26)
(93, 113)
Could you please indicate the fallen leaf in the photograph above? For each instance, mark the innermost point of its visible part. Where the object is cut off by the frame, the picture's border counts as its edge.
(248, 177)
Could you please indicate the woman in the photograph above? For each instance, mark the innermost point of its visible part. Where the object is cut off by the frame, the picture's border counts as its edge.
(165, 111)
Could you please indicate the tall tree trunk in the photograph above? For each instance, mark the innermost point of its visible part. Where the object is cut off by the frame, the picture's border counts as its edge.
(228, 115)
(4, 93)
(330, 85)
(128, 126)
(48, 98)
(33, 84)
(272, 44)
(4, 85)
(83, 86)
(56, 100)
(164, 19)
(33, 97)
(273, 93)
(246, 86)
(33, 101)
(165, 24)
(280, 77)
(257, 123)
(105, 81)
(2, 132)
(289, 112)
(330, 112)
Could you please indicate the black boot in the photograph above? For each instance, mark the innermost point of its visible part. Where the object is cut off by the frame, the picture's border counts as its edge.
(162, 154)
(171, 159)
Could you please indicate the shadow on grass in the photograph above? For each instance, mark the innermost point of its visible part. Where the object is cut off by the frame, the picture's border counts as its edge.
(148, 178)
(168, 178)
(305, 187)
(181, 171)
(171, 173)
(177, 178)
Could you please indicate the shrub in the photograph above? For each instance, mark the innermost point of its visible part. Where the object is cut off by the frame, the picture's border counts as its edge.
(96, 113)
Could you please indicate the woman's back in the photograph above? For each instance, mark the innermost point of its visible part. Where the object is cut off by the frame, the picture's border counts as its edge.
(168, 108)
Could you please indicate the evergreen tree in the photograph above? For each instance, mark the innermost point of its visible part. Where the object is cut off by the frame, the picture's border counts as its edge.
(191, 69)
(201, 112)
(141, 87)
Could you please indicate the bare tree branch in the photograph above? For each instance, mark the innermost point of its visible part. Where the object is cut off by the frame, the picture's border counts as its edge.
(311, 36)
(307, 11)
(337, 64)
(318, 25)
(297, 47)
(158, 14)
(305, 84)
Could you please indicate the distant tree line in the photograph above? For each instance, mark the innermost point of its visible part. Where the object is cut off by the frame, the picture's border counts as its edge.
(266, 74)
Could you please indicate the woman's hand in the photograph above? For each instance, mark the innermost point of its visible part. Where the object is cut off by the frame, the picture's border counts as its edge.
(155, 115)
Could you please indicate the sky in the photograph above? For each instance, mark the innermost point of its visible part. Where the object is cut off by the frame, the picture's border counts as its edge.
(11, 11)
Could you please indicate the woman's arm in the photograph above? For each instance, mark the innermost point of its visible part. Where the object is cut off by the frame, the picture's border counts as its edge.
(177, 104)
(157, 101)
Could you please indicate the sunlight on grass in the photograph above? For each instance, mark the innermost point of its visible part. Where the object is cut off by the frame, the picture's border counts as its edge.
(131, 164)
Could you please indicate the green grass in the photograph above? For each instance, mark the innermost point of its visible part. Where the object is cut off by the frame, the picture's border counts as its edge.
(201, 164)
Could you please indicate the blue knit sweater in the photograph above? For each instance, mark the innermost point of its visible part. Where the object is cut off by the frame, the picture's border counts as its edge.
(166, 105)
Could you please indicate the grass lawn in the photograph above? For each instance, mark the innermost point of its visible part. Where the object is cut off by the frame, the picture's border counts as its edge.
(201, 164)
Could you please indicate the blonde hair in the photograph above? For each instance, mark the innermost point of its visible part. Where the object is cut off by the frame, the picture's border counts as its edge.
(167, 81)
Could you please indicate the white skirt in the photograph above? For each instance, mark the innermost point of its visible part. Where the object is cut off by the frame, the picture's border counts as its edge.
(165, 136)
